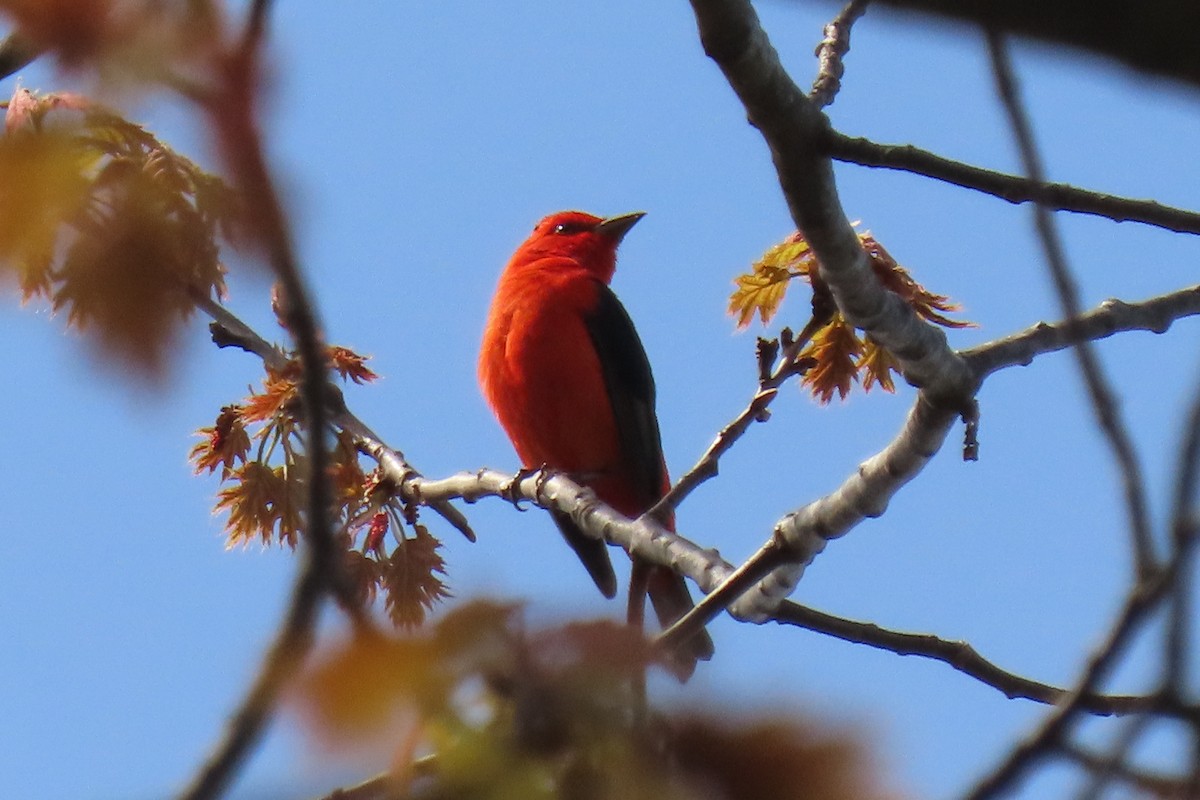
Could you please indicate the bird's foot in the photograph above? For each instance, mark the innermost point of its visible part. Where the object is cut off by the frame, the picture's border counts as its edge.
(511, 490)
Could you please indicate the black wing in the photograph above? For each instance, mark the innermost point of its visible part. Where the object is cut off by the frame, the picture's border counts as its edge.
(630, 385)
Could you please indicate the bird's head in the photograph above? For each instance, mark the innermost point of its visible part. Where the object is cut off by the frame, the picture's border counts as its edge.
(590, 240)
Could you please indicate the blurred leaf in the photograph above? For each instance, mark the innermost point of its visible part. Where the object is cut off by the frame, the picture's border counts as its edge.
(42, 183)
(366, 687)
(771, 760)
(512, 715)
(75, 29)
(119, 231)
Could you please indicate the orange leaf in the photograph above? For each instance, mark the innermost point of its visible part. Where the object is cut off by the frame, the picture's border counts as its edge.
(277, 398)
(262, 503)
(370, 686)
(835, 349)
(897, 279)
(225, 443)
(350, 365)
(877, 365)
(42, 186)
(762, 289)
(410, 582)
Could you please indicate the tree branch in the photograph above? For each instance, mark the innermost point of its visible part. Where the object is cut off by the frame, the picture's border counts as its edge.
(1040, 743)
(1147, 784)
(830, 52)
(958, 654)
(1103, 399)
(16, 52)
(232, 331)
(1112, 316)
(794, 129)
(1012, 188)
(236, 124)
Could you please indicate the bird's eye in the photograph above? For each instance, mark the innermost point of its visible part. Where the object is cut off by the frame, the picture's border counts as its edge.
(560, 228)
(569, 228)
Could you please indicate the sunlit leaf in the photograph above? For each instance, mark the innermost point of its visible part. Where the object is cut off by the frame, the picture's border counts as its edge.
(262, 504)
(897, 279)
(350, 365)
(835, 350)
(839, 355)
(876, 366)
(410, 579)
(761, 290)
(279, 397)
(225, 443)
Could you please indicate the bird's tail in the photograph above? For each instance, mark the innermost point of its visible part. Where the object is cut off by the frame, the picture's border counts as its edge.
(671, 600)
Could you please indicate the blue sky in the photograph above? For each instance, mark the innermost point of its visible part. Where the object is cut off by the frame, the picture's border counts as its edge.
(418, 144)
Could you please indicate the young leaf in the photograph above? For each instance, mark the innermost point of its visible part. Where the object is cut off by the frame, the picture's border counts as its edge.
(835, 349)
(840, 356)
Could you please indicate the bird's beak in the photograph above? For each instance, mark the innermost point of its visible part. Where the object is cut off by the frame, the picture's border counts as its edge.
(617, 227)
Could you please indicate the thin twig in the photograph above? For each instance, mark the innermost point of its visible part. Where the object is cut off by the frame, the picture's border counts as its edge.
(757, 410)
(1144, 598)
(1163, 787)
(1104, 770)
(831, 51)
(320, 569)
(1103, 399)
(1156, 315)
(233, 331)
(1177, 640)
(1012, 188)
(958, 654)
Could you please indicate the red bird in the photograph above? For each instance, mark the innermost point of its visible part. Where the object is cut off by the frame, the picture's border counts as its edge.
(566, 374)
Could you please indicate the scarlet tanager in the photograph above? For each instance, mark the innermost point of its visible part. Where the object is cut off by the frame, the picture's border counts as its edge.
(566, 374)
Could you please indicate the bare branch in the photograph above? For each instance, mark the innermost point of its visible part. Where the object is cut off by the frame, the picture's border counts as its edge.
(1144, 598)
(794, 130)
(958, 654)
(1112, 316)
(1177, 640)
(864, 494)
(830, 52)
(1104, 402)
(320, 570)
(1166, 787)
(1012, 188)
